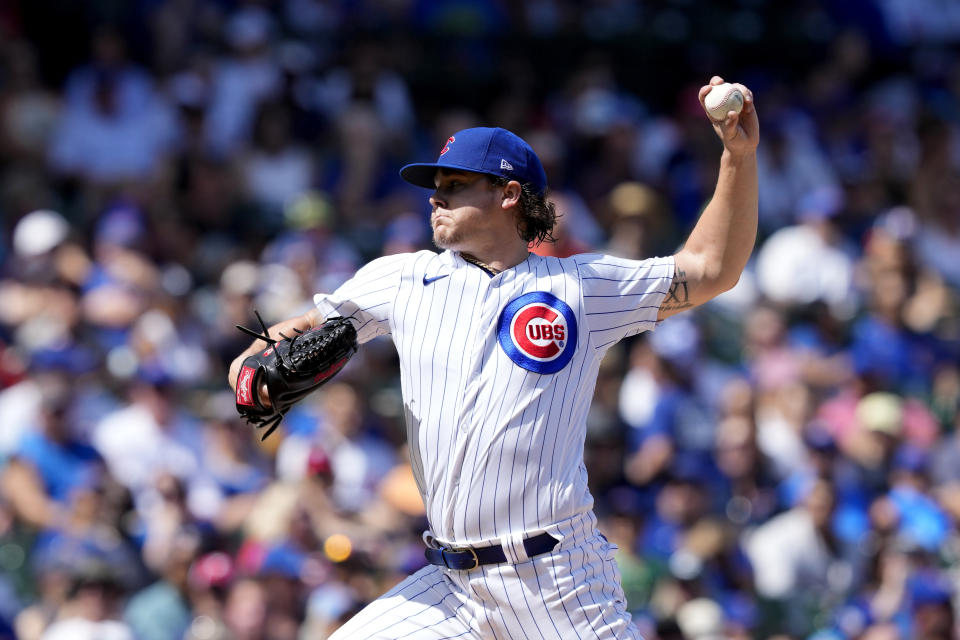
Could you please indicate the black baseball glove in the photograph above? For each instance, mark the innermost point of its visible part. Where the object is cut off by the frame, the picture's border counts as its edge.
(291, 367)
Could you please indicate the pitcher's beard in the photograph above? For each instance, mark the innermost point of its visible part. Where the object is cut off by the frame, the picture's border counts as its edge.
(445, 239)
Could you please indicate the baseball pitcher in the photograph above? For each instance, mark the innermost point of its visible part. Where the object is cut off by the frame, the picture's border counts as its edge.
(499, 352)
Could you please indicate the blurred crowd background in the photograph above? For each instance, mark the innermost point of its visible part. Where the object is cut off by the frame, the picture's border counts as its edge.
(781, 463)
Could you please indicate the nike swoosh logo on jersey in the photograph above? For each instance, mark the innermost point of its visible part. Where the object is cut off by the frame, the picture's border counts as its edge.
(427, 280)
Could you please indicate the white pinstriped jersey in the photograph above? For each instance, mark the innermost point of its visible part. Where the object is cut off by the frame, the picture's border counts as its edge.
(498, 374)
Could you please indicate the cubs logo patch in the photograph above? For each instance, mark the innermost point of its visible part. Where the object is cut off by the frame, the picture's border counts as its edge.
(538, 331)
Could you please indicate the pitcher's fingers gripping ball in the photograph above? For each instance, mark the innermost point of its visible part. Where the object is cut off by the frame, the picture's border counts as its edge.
(291, 368)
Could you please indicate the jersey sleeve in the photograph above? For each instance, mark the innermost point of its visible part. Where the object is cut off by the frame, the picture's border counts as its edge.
(368, 297)
(622, 297)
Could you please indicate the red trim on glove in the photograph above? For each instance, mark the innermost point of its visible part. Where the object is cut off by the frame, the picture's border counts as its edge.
(245, 386)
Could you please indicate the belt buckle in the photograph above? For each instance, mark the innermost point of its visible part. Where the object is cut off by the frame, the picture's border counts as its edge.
(476, 561)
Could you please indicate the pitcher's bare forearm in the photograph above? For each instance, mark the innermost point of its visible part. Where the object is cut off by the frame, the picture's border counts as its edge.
(717, 250)
(720, 244)
(726, 232)
(311, 318)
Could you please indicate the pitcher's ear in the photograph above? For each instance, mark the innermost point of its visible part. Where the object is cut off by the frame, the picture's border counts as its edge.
(511, 193)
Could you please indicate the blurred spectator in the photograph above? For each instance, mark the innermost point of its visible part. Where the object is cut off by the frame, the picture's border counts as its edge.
(310, 250)
(148, 437)
(798, 564)
(36, 235)
(577, 223)
(407, 233)
(115, 126)
(241, 80)
(679, 424)
(701, 619)
(37, 290)
(276, 170)
(50, 462)
(884, 348)
(931, 612)
(641, 227)
(161, 611)
(208, 580)
(29, 111)
(366, 79)
(602, 118)
(20, 411)
(749, 485)
(812, 261)
(121, 278)
(911, 23)
(12, 582)
(945, 472)
(164, 519)
(232, 472)
(91, 612)
(920, 520)
(245, 609)
(637, 574)
(791, 165)
(940, 236)
(358, 459)
(358, 173)
(780, 396)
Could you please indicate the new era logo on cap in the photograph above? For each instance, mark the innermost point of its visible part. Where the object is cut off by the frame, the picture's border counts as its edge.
(490, 150)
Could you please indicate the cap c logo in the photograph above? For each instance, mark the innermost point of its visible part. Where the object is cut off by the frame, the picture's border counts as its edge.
(538, 331)
(446, 146)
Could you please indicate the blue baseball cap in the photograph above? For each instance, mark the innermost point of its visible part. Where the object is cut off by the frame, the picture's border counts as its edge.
(490, 150)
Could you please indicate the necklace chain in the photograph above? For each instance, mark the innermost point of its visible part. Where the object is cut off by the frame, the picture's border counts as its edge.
(482, 265)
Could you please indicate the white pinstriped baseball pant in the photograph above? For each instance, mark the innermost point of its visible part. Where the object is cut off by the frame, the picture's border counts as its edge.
(569, 593)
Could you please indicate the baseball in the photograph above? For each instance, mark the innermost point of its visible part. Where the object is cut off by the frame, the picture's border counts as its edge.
(722, 99)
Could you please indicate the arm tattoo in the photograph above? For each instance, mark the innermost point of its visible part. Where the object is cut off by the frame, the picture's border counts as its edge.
(678, 297)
